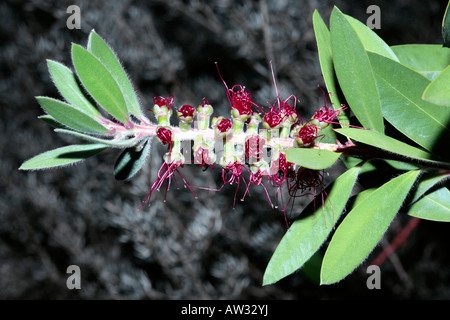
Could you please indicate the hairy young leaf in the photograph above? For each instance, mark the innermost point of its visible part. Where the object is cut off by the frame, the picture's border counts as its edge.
(62, 156)
(67, 84)
(131, 161)
(112, 143)
(326, 64)
(71, 116)
(438, 91)
(354, 72)
(312, 158)
(401, 89)
(427, 59)
(99, 82)
(433, 206)
(363, 227)
(99, 48)
(306, 235)
(52, 121)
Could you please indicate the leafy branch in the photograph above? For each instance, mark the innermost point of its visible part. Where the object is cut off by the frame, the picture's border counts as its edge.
(390, 108)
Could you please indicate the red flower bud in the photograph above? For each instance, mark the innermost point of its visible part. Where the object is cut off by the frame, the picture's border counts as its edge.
(164, 135)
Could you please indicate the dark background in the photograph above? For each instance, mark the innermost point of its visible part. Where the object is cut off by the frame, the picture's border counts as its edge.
(182, 248)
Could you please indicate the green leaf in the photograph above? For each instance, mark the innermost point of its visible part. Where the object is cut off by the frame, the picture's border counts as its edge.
(99, 82)
(62, 156)
(112, 143)
(99, 48)
(306, 235)
(354, 72)
(425, 183)
(67, 84)
(312, 158)
(370, 40)
(52, 121)
(438, 91)
(71, 116)
(363, 227)
(434, 206)
(326, 64)
(401, 89)
(384, 142)
(446, 27)
(427, 59)
(131, 161)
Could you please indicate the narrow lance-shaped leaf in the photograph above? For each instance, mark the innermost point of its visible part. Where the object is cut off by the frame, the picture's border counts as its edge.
(62, 156)
(354, 72)
(387, 143)
(363, 227)
(425, 123)
(112, 143)
(131, 161)
(427, 181)
(438, 91)
(312, 158)
(68, 86)
(98, 47)
(99, 82)
(434, 206)
(52, 121)
(370, 40)
(427, 59)
(71, 116)
(307, 235)
(326, 64)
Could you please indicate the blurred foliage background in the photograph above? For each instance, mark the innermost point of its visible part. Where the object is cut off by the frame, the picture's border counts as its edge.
(182, 248)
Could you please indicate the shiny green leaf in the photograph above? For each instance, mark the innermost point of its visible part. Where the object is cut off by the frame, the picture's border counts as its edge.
(312, 158)
(326, 64)
(370, 40)
(354, 72)
(307, 235)
(387, 143)
(427, 59)
(99, 82)
(433, 206)
(438, 91)
(71, 116)
(62, 156)
(401, 89)
(363, 227)
(425, 183)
